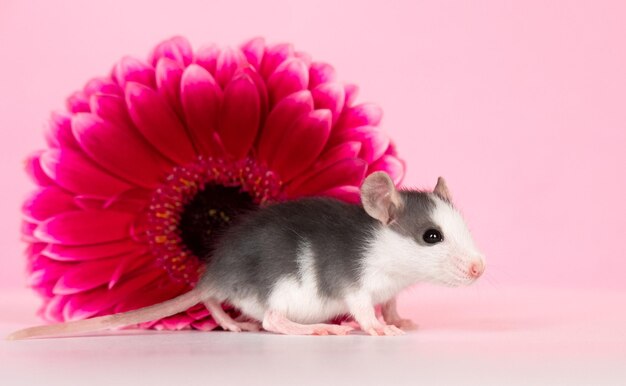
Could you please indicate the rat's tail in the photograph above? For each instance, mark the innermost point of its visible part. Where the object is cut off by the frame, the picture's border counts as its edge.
(146, 314)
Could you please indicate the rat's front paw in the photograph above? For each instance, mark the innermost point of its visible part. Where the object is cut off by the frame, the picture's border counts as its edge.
(404, 324)
(385, 330)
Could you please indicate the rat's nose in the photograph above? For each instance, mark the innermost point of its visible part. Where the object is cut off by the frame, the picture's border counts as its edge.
(476, 269)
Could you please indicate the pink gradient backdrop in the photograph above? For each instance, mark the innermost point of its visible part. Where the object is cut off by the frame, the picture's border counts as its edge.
(521, 105)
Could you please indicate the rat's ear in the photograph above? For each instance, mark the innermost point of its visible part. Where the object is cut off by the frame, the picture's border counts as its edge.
(441, 190)
(380, 198)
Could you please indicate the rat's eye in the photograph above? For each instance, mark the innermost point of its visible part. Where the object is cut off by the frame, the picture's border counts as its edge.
(433, 236)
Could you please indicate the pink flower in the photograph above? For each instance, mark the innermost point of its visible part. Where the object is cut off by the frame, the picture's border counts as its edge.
(143, 156)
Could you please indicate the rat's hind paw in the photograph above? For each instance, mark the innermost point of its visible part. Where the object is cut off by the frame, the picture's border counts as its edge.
(225, 321)
(330, 329)
(275, 322)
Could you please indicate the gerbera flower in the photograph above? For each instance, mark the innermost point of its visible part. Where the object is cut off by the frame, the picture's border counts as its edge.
(147, 165)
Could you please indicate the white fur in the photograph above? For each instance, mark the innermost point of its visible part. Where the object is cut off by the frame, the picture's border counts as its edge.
(298, 298)
(389, 265)
(457, 252)
(394, 261)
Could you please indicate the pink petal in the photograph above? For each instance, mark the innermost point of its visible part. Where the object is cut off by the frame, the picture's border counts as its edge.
(86, 304)
(177, 322)
(34, 249)
(346, 150)
(344, 193)
(228, 62)
(35, 260)
(138, 230)
(345, 172)
(274, 56)
(32, 166)
(53, 310)
(207, 324)
(128, 266)
(321, 73)
(85, 201)
(329, 96)
(351, 90)
(198, 311)
(59, 133)
(349, 149)
(261, 89)
(336, 153)
(85, 276)
(129, 69)
(391, 150)
(168, 77)
(374, 141)
(73, 171)
(158, 123)
(102, 86)
(110, 108)
(392, 165)
(253, 50)
(280, 119)
(291, 76)
(206, 57)
(77, 102)
(302, 144)
(304, 57)
(27, 231)
(239, 119)
(70, 253)
(43, 292)
(177, 49)
(201, 99)
(134, 200)
(46, 203)
(118, 148)
(93, 273)
(44, 272)
(366, 114)
(85, 227)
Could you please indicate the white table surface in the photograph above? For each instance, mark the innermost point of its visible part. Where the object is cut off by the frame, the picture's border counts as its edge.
(467, 336)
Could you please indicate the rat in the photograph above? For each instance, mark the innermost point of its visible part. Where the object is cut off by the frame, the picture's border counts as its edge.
(291, 267)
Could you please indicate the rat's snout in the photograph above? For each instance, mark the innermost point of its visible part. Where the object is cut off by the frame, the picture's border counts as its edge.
(476, 268)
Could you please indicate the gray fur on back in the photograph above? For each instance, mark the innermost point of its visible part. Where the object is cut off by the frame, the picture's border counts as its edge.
(255, 253)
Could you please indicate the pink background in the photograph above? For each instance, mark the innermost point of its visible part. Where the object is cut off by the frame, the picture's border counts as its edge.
(521, 105)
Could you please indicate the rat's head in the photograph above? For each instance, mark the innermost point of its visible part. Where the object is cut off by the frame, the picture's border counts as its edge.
(435, 240)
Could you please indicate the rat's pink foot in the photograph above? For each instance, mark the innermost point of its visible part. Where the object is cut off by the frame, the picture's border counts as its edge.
(249, 324)
(384, 330)
(363, 311)
(225, 321)
(275, 322)
(404, 324)
(390, 315)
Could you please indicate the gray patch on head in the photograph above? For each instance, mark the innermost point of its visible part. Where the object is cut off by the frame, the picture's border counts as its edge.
(262, 247)
(416, 217)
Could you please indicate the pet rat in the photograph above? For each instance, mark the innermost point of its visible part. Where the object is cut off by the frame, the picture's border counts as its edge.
(290, 267)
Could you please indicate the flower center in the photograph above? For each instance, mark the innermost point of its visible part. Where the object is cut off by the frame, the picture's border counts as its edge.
(196, 203)
(208, 213)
